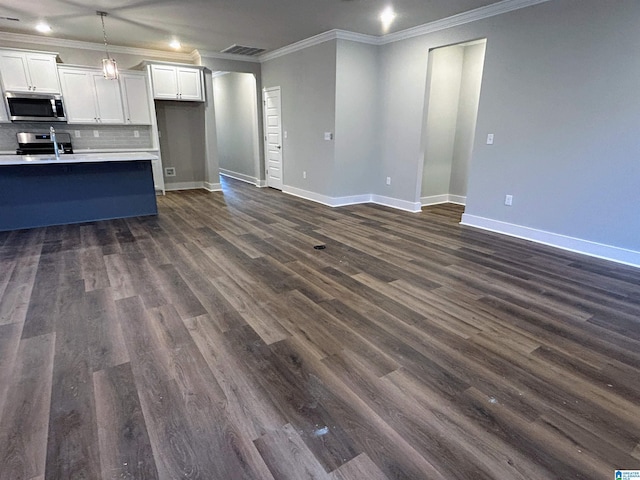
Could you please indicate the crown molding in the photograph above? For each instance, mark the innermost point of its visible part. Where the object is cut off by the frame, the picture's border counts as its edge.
(318, 39)
(61, 42)
(492, 10)
(198, 54)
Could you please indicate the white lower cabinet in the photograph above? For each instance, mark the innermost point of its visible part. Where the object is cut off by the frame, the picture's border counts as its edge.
(89, 97)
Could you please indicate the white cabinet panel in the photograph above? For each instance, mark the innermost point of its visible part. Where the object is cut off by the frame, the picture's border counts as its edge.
(177, 83)
(108, 100)
(79, 96)
(190, 84)
(4, 117)
(44, 73)
(29, 72)
(165, 82)
(91, 98)
(135, 97)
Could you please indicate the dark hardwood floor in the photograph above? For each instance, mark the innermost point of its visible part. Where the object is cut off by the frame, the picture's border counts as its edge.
(214, 342)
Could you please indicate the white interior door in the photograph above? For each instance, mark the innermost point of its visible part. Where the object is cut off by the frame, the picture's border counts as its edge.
(273, 136)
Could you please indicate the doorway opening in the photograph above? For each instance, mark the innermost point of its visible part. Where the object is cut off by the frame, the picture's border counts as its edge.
(235, 100)
(454, 79)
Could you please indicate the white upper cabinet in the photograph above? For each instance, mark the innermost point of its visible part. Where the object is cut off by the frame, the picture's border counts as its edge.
(4, 117)
(177, 83)
(90, 98)
(135, 97)
(29, 72)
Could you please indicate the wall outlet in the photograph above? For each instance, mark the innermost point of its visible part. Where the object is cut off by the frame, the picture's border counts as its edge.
(388, 180)
(170, 172)
(286, 134)
(490, 139)
(136, 134)
(76, 133)
(304, 174)
(508, 200)
(328, 136)
(96, 133)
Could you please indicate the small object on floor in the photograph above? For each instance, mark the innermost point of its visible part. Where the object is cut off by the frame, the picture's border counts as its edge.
(320, 247)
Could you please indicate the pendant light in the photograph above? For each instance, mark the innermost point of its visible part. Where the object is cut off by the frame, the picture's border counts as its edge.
(109, 66)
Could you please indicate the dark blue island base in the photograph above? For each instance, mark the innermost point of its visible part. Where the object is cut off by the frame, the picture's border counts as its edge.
(38, 195)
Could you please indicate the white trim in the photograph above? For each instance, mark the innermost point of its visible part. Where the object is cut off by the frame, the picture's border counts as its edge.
(444, 198)
(212, 187)
(498, 8)
(61, 42)
(317, 40)
(413, 207)
(434, 200)
(261, 184)
(578, 245)
(239, 176)
(463, 18)
(171, 187)
(457, 199)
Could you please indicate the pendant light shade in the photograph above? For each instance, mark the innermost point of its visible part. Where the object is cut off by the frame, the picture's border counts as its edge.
(109, 65)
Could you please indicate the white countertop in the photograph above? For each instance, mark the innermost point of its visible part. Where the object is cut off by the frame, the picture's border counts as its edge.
(76, 158)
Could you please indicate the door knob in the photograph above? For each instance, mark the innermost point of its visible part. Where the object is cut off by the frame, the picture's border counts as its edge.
(278, 147)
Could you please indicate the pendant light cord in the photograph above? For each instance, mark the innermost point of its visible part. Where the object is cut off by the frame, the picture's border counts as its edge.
(104, 33)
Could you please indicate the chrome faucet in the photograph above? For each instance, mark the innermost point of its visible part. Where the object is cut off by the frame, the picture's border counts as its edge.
(56, 149)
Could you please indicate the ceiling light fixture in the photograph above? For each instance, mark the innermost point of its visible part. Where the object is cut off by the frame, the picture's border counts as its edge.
(43, 27)
(109, 66)
(386, 17)
(175, 44)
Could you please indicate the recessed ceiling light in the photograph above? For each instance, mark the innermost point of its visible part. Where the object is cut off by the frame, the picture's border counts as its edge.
(175, 44)
(386, 17)
(43, 27)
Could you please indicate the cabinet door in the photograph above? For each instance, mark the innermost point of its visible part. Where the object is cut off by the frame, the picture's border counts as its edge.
(165, 82)
(108, 99)
(190, 84)
(15, 75)
(4, 117)
(136, 99)
(79, 96)
(43, 72)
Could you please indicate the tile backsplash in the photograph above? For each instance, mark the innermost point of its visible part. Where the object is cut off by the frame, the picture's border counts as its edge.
(109, 136)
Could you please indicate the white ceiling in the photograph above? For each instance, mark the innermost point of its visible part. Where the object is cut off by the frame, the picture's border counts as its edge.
(214, 25)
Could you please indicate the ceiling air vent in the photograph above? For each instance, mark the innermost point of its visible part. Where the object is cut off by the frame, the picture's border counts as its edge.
(242, 50)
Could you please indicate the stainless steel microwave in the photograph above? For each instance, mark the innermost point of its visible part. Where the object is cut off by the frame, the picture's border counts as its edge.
(35, 107)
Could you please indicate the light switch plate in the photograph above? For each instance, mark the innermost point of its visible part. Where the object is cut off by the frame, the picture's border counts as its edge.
(490, 139)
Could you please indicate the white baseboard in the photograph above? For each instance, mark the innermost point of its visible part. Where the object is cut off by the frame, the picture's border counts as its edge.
(413, 207)
(172, 187)
(212, 187)
(445, 198)
(578, 245)
(457, 199)
(352, 199)
(240, 176)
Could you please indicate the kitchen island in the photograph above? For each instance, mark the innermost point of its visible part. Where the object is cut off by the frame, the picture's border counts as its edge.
(42, 190)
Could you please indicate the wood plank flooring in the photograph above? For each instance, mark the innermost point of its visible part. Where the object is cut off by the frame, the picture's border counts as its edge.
(214, 342)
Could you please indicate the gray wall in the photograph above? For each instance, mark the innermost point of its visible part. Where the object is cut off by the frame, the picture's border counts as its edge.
(555, 92)
(444, 79)
(182, 141)
(235, 99)
(308, 85)
(357, 124)
(471, 82)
